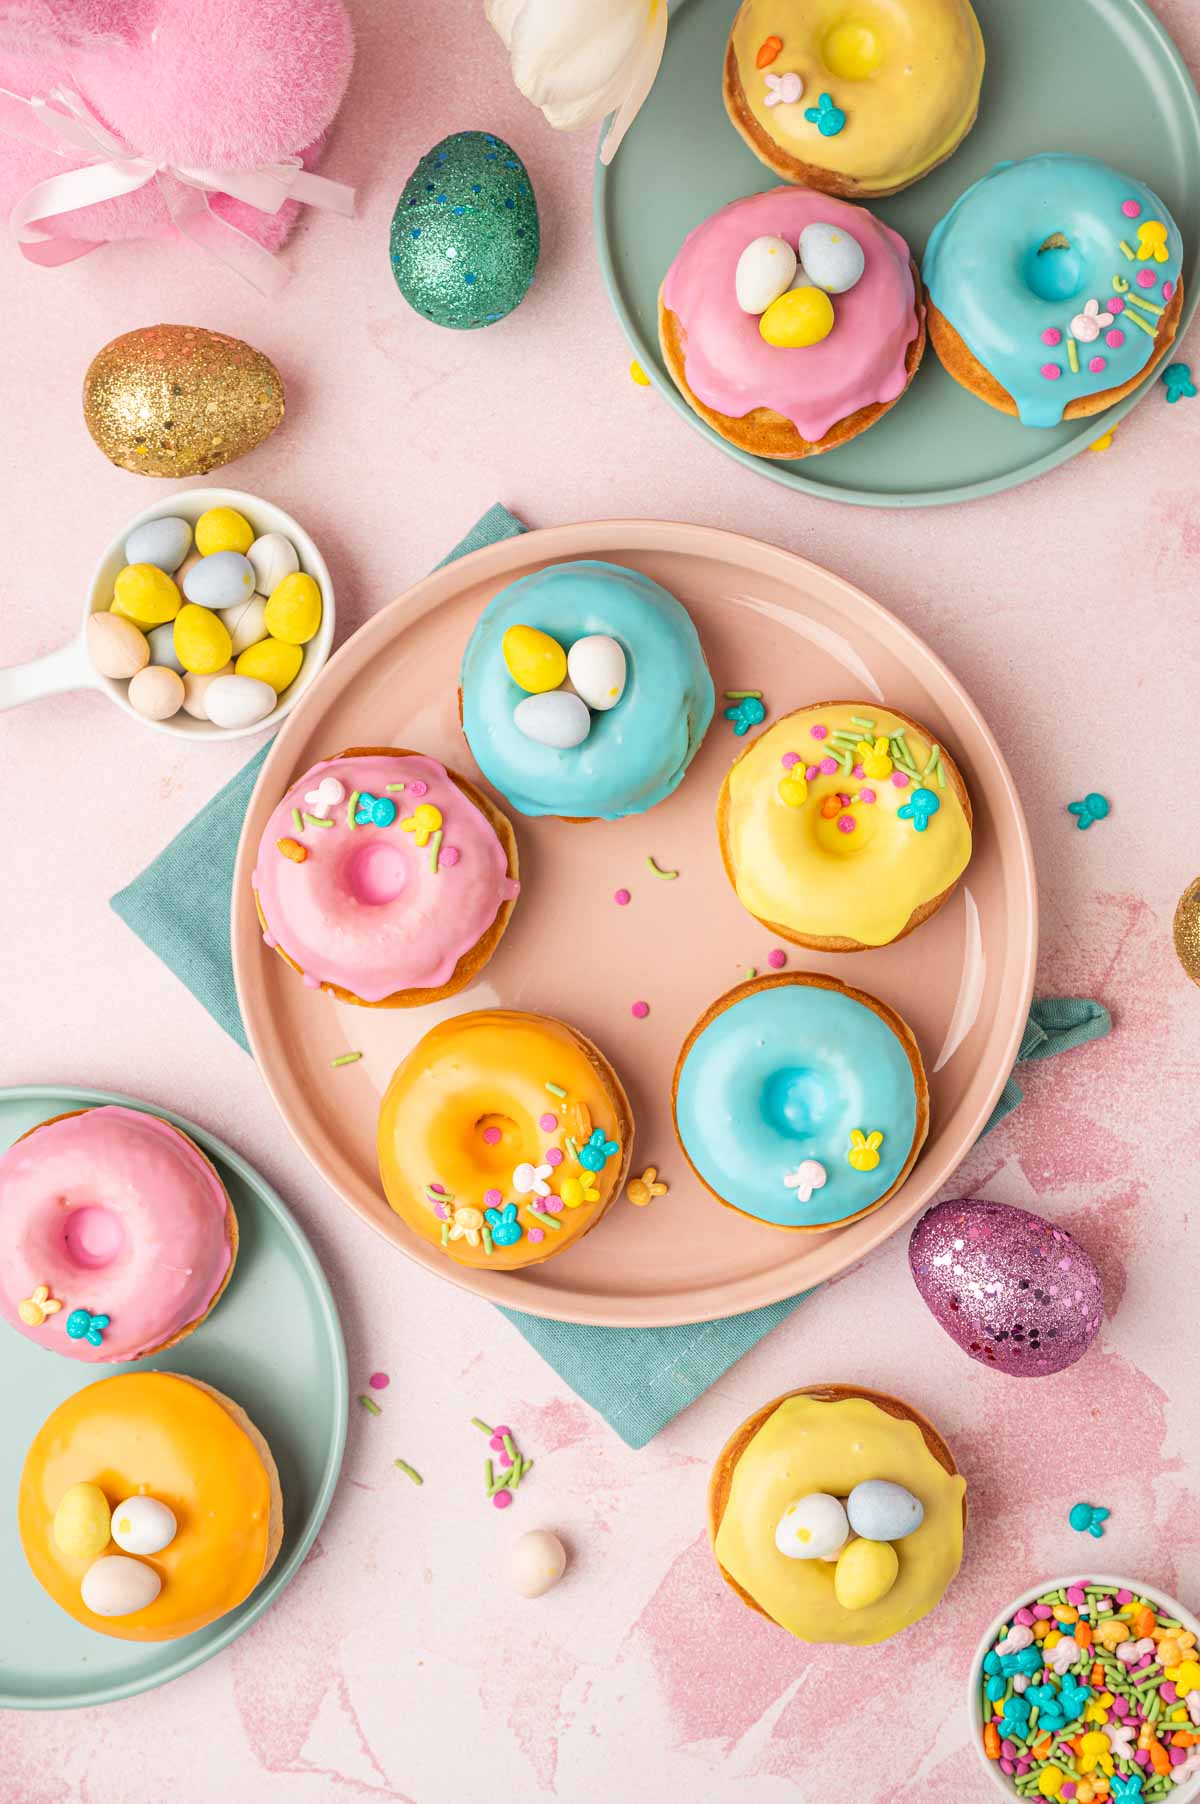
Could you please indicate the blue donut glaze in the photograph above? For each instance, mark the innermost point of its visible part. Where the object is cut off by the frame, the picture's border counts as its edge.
(786, 1074)
(637, 752)
(986, 270)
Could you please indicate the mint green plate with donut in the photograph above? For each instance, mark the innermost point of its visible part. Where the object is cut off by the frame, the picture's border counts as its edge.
(1101, 77)
(273, 1344)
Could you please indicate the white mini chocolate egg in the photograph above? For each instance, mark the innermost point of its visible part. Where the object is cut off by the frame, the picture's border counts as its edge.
(116, 647)
(195, 688)
(556, 719)
(117, 1586)
(865, 1572)
(882, 1511)
(143, 1525)
(596, 669)
(536, 1562)
(162, 646)
(164, 542)
(246, 622)
(831, 258)
(220, 580)
(812, 1528)
(764, 269)
(238, 701)
(156, 692)
(272, 557)
(81, 1522)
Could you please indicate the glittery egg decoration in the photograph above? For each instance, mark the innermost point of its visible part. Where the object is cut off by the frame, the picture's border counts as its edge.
(180, 400)
(1014, 1291)
(1187, 930)
(464, 240)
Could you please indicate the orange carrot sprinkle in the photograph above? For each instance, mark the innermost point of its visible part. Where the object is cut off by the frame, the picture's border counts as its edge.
(991, 1742)
(768, 50)
(291, 848)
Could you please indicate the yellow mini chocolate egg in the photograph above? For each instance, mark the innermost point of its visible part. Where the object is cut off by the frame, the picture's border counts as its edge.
(82, 1522)
(146, 595)
(223, 529)
(180, 400)
(536, 662)
(202, 642)
(865, 1572)
(294, 610)
(272, 661)
(802, 316)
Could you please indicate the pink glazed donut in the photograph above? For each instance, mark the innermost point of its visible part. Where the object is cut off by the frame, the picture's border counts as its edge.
(786, 388)
(385, 878)
(116, 1235)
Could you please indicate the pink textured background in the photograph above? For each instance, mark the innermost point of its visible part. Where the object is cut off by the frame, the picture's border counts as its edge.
(398, 1666)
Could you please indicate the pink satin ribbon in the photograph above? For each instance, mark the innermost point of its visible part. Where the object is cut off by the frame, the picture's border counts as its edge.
(61, 122)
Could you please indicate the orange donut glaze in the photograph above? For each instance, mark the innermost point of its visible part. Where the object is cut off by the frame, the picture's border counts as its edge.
(175, 1441)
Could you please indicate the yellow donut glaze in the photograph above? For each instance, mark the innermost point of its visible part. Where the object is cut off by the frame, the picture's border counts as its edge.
(809, 1445)
(792, 864)
(906, 73)
(154, 1433)
(487, 1074)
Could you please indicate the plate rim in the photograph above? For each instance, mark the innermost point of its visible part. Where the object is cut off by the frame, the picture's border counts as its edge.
(284, 1571)
(779, 472)
(596, 538)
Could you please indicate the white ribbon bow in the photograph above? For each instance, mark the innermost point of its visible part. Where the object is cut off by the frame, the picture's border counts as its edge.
(62, 122)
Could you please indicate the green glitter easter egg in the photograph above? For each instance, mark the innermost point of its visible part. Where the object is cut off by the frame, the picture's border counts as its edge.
(464, 239)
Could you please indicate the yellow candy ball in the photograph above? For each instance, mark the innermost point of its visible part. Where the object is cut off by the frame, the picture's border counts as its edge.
(536, 662)
(1050, 1781)
(146, 595)
(294, 610)
(865, 1572)
(802, 316)
(272, 661)
(82, 1522)
(223, 529)
(202, 642)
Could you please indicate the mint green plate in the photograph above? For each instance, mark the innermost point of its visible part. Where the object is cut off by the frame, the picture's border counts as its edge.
(1097, 76)
(273, 1344)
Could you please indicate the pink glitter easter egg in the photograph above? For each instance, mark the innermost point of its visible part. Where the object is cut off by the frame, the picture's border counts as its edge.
(1014, 1291)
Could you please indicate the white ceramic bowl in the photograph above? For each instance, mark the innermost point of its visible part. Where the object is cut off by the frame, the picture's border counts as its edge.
(1000, 1784)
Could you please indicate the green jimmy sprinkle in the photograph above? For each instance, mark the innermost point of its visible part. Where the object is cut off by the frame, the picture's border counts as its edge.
(402, 1465)
(346, 1058)
(371, 1406)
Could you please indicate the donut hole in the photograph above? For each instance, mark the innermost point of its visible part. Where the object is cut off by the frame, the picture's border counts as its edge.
(1054, 269)
(376, 872)
(846, 832)
(497, 1145)
(795, 1101)
(852, 50)
(92, 1236)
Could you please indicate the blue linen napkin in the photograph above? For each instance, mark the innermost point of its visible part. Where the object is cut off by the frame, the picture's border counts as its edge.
(638, 1379)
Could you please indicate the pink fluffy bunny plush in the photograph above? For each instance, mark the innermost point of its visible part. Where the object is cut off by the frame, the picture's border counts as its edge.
(226, 84)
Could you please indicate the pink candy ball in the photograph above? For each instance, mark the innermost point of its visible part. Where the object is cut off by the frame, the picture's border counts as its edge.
(790, 760)
(899, 779)
(1096, 364)
(493, 1198)
(828, 766)
(1130, 208)
(1051, 372)
(554, 1155)
(502, 1499)
(621, 898)
(1115, 337)
(1146, 278)
(448, 856)
(640, 1010)
(548, 1123)
(777, 958)
(491, 1136)
(1052, 336)
(818, 732)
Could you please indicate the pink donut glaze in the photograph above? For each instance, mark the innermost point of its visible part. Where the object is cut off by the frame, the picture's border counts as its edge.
(732, 368)
(366, 910)
(116, 1213)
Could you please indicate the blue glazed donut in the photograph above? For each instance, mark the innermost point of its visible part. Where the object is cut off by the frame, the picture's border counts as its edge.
(635, 752)
(1058, 274)
(800, 1101)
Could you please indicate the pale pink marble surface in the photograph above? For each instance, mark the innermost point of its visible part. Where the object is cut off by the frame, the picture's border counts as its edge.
(398, 1665)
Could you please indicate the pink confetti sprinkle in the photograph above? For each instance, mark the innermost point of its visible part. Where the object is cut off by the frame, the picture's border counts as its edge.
(441, 1211)
(1076, 1595)
(505, 1457)
(1123, 1597)
(500, 1430)
(554, 1205)
(1052, 336)
(777, 958)
(818, 732)
(448, 856)
(847, 823)
(1168, 291)
(491, 1136)
(548, 1123)
(814, 770)
(621, 898)
(440, 1188)
(640, 1010)
(1131, 208)
(790, 760)
(502, 1499)
(858, 771)
(554, 1155)
(899, 779)
(1042, 1612)
(1051, 371)
(828, 766)
(1096, 364)
(417, 787)
(536, 1204)
(866, 795)
(493, 1198)
(536, 1235)
(1146, 278)
(1024, 1616)
(379, 1381)
(1116, 305)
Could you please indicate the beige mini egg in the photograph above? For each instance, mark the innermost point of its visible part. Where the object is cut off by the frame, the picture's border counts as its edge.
(195, 688)
(238, 701)
(272, 557)
(117, 1586)
(246, 623)
(536, 1562)
(143, 1525)
(156, 692)
(116, 647)
(81, 1522)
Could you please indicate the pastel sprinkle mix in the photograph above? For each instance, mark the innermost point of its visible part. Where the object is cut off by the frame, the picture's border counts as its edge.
(669, 876)
(818, 732)
(379, 1381)
(622, 898)
(402, 1465)
(345, 1058)
(640, 1010)
(777, 958)
(557, 1090)
(1087, 1519)
(370, 1405)
(548, 1123)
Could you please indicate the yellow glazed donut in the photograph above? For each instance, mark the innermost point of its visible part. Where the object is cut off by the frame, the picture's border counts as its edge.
(503, 1138)
(854, 97)
(171, 1450)
(844, 826)
(838, 1514)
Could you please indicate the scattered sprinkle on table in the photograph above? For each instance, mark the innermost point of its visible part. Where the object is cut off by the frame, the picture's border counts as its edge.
(379, 1381)
(643, 1190)
(777, 958)
(670, 876)
(640, 1010)
(621, 897)
(346, 1058)
(639, 375)
(402, 1465)
(1088, 1519)
(1104, 441)
(499, 1486)
(1094, 807)
(751, 972)
(370, 1405)
(1177, 380)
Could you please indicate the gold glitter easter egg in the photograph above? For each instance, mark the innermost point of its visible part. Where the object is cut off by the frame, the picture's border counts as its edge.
(180, 400)
(1187, 930)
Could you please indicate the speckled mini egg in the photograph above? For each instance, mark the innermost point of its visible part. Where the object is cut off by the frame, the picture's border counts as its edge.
(596, 667)
(536, 1562)
(831, 258)
(812, 1528)
(164, 542)
(246, 623)
(865, 1572)
(272, 557)
(161, 640)
(117, 1586)
(195, 689)
(116, 647)
(81, 1525)
(220, 580)
(238, 701)
(1014, 1291)
(883, 1511)
(764, 272)
(464, 239)
(143, 1525)
(156, 693)
(558, 720)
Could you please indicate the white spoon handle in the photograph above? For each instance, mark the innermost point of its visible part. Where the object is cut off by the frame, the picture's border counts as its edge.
(67, 668)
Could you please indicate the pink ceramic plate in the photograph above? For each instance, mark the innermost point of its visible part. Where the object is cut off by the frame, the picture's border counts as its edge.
(768, 620)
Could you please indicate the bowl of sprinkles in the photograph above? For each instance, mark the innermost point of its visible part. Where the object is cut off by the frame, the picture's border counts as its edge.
(1088, 1690)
